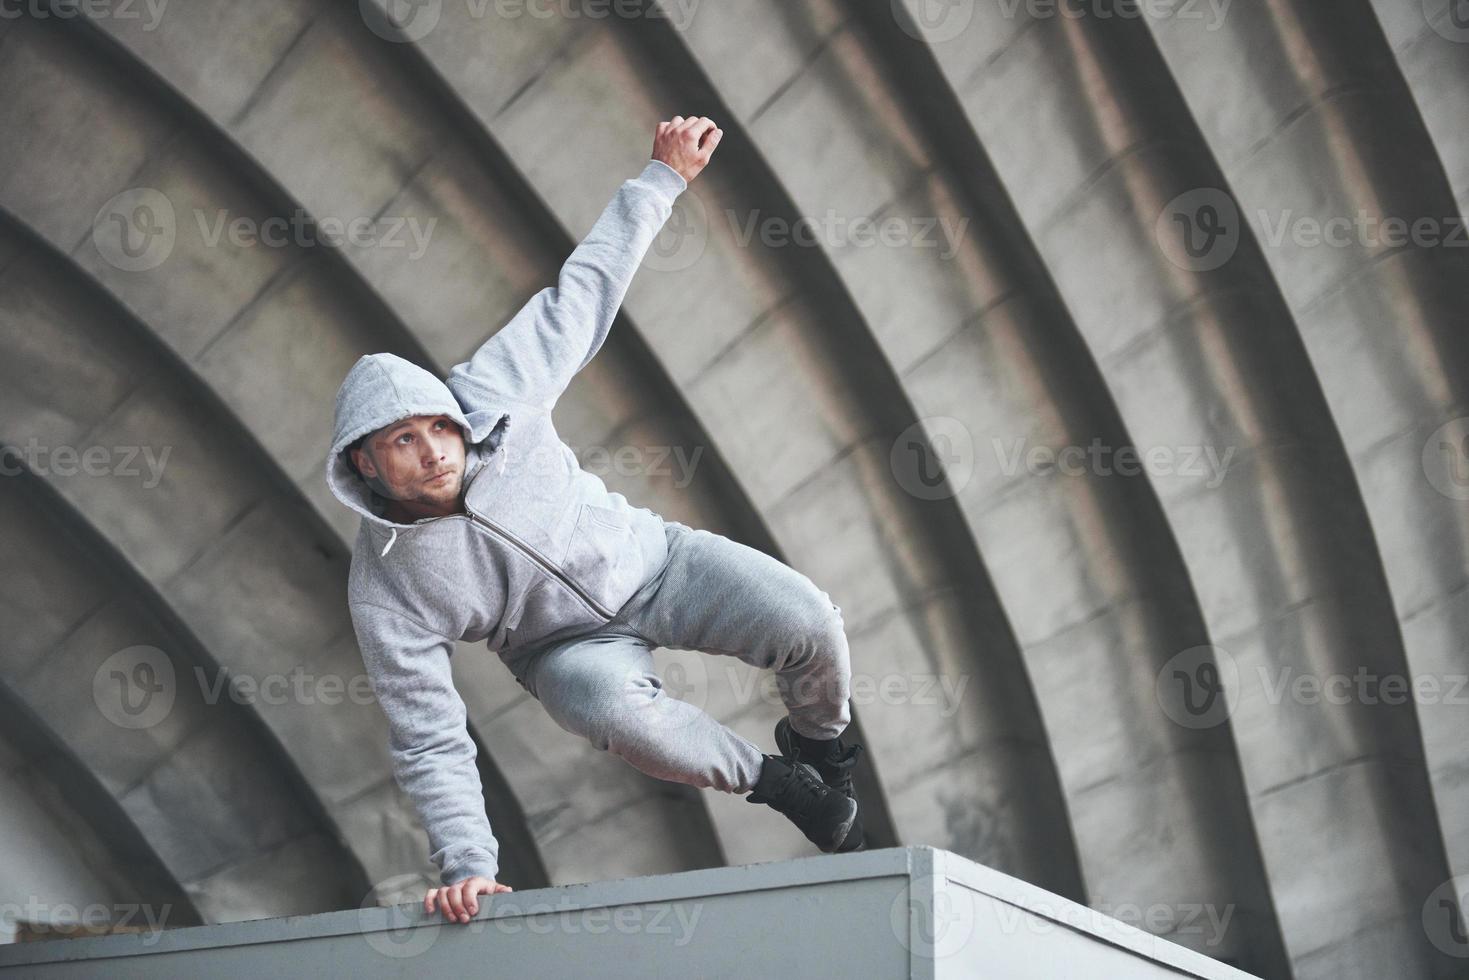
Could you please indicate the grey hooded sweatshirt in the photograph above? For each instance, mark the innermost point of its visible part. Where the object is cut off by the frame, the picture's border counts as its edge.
(545, 549)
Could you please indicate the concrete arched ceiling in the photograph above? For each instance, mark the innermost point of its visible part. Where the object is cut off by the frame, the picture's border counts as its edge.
(1047, 157)
(1336, 134)
(1281, 552)
(218, 806)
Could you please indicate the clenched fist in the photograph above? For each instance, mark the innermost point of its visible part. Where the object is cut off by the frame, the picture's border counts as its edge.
(457, 900)
(686, 144)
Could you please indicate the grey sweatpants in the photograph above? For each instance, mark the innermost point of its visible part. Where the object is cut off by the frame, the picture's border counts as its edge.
(712, 595)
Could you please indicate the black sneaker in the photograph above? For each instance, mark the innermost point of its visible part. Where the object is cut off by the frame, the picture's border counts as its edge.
(834, 766)
(824, 815)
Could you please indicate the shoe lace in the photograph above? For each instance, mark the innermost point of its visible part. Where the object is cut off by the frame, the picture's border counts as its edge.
(799, 787)
(840, 769)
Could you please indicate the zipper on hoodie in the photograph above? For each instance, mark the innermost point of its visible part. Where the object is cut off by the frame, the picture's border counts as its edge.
(544, 562)
(551, 567)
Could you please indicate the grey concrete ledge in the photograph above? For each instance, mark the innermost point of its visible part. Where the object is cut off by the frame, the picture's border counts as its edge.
(901, 911)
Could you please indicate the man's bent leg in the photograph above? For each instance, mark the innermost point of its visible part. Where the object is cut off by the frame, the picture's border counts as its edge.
(719, 596)
(604, 687)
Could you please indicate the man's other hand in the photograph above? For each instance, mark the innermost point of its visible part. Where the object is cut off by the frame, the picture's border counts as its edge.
(686, 144)
(458, 900)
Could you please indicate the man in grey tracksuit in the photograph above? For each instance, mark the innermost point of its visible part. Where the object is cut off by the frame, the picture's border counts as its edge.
(478, 524)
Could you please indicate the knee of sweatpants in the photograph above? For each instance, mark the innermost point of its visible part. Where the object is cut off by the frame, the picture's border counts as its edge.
(823, 628)
(597, 705)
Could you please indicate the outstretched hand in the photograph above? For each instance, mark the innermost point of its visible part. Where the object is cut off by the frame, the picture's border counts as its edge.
(686, 144)
(458, 900)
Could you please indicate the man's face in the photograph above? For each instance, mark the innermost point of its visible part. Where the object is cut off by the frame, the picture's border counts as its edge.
(418, 460)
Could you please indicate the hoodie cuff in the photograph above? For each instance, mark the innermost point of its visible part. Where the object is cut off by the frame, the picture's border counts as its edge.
(664, 177)
(478, 864)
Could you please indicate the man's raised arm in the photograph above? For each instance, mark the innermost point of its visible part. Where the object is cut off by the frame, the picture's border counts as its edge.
(534, 357)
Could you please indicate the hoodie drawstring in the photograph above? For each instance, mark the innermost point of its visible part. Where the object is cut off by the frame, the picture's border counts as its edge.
(391, 540)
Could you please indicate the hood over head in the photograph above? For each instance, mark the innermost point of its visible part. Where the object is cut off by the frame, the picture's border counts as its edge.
(379, 390)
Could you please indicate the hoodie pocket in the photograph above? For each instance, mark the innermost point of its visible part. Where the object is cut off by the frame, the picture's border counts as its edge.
(604, 556)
